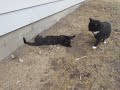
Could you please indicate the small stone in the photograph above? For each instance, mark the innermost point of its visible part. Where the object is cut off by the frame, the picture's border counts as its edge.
(20, 60)
(80, 77)
(70, 88)
(51, 46)
(13, 56)
(18, 81)
(77, 59)
(39, 52)
(80, 58)
(49, 51)
(54, 46)
(58, 47)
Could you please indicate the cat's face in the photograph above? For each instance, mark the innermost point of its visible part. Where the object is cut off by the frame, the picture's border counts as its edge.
(65, 41)
(94, 25)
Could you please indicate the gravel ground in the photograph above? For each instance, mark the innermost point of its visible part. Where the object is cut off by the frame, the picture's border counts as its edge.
(76, 68)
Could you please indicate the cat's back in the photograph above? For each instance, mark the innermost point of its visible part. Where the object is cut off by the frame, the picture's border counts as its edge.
(106, 30)
(106, 26)
(39, 39)
(51, 40)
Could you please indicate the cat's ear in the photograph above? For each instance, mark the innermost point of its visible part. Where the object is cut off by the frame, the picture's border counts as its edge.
(90, 19)
(71, 36)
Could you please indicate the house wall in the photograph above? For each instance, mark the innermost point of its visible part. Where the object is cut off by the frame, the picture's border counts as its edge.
(30, 21)
(15, 5)
(18, 13)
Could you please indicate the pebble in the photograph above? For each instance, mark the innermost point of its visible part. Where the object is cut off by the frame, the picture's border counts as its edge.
(51, 46)
(54, 46)
(77, 59)
(40, 52)
(18, 81)
(13, 56)
(80, 58)
(80, 77)
(58, 47)
(49, 51)
(21, 60)
(70, 88)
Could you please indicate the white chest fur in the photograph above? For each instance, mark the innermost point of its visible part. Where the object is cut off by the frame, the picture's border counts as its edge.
(96, 32)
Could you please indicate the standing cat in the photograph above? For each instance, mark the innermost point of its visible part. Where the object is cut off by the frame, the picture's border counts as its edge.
(51, 40)
(100, 30)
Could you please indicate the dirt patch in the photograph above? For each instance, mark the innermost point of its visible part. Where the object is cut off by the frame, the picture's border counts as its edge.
(76, 68)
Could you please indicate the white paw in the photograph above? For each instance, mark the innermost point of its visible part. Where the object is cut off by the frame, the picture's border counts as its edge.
(104, 42)
(94, 47)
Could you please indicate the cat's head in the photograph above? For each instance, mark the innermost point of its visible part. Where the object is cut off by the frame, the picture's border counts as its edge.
(94, 25)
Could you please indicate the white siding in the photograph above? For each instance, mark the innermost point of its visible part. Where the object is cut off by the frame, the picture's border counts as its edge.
(14, 20)
(12, 5)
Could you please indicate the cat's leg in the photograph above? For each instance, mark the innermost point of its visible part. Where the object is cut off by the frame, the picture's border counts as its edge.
(104, 41)
(96, 44)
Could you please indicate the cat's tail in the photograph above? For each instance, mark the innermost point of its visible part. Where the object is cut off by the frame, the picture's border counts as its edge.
(24, 40)
(72, 36)
(29, 43)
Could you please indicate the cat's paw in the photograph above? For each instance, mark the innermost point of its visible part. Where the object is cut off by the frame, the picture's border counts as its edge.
(104, 42)
(94, 47)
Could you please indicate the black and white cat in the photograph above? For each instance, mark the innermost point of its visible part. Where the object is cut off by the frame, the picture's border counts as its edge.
(51, 40)
(100, 30)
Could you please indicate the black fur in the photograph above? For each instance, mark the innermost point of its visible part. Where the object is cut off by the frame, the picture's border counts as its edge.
(51, 40)
(104, 29)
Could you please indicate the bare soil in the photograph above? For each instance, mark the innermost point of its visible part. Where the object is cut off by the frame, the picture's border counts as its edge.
(76, 68)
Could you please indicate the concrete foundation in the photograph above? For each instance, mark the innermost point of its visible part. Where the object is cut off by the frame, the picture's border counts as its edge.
(11, 41)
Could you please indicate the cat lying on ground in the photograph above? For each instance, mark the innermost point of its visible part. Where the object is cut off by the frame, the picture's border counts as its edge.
(51, 40)
(100, 30)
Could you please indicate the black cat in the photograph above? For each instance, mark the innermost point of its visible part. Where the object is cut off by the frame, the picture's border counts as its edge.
(101, 30)
(51, 40)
